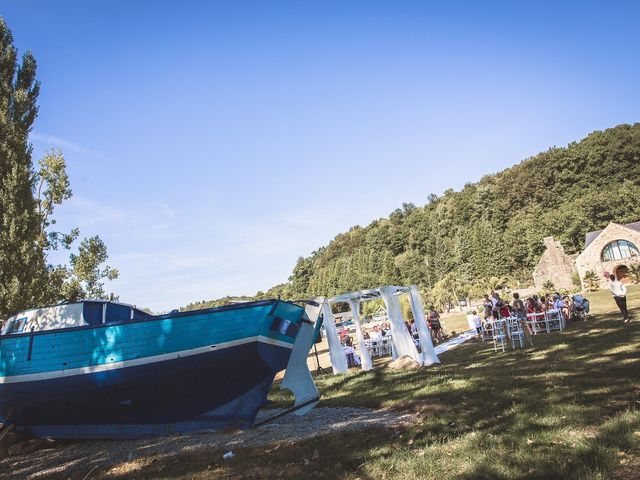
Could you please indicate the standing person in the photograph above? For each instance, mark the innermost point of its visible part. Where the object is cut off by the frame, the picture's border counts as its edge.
(434, 323)
(520, 310)
(377, 334)
(487, 304)
(619, 292)
(477, 322)
(532, 305)
(496, 303)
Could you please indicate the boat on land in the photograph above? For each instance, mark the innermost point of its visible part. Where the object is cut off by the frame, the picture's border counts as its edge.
(104, 369)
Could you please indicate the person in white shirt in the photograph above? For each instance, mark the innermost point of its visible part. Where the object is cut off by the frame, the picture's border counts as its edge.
(619, 292)
(376, 336)
(477, 322)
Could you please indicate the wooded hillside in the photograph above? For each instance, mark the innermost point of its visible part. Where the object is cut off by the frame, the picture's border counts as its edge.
(488, 233)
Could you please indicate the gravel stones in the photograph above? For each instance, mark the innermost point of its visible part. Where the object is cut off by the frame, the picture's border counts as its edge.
(73, 459)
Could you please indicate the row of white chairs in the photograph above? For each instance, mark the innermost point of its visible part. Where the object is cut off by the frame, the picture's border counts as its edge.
(546, 321)
(505, 330)
(511, 328)
(379, 348)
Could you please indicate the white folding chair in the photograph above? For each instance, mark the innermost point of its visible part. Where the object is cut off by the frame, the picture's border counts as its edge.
(368, 344)
(554, 319)
(487, 331)
(515, 332)
(499, 334)
(385, 347)
(537, 322)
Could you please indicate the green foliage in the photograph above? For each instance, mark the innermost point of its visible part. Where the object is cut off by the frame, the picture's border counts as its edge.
(485, 416)
(28, 199)
(86, 275)
(634, 273)
(484, 286)
(575, 279)
(491, 229)
(591, 281)
(52, 188)
(548, 285)
(220, 302)
(488, 235)
(22, 264)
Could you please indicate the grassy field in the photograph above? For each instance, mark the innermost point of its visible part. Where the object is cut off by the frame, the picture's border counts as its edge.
(566, 408)
(456, 322)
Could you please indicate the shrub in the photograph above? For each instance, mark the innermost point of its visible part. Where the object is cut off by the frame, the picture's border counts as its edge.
(591, 281)
(634, 273)
(575, 279)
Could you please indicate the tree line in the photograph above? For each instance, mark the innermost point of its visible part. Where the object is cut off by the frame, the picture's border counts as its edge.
(487, 235)
(29, 195)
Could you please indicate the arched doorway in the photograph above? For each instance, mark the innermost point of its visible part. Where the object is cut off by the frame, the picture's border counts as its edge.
(622, 273)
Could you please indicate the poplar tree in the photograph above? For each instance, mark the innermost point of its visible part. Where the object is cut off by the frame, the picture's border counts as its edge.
(22, 266)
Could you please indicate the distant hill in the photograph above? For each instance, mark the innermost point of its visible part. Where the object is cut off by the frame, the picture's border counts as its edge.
(488, 233)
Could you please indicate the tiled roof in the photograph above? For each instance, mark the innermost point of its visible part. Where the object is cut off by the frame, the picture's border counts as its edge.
(591, 236)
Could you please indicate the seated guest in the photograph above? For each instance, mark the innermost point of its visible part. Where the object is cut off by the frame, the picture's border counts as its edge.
(544, 304)
(532, 306)
(538, 302)
(505, 310)
(557, 304)
(413, 328)
(580, 303)
(566, 309)
(385, 329)
(377, 334)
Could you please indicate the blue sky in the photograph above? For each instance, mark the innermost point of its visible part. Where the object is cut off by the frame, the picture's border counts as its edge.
(212, 143)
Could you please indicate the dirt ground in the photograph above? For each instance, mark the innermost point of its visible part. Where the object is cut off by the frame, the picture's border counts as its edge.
(93, 459)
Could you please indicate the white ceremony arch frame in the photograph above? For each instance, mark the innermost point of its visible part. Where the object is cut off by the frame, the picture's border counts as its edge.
(400, 337)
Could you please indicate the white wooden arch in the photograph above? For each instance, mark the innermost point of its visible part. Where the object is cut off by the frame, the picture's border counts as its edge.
(400, 337)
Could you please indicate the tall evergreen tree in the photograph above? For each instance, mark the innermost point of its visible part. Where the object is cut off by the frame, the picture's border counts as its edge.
(22, 267)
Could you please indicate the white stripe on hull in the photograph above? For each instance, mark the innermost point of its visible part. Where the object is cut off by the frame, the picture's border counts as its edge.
(32, 377)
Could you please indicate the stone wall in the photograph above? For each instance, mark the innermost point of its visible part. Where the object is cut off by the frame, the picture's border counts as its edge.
(554, 265)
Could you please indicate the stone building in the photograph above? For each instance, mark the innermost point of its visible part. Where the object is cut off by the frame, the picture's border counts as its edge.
(554, 265)
(611, 250)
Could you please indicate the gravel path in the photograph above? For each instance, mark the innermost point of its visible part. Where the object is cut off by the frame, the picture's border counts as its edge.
(78, 459)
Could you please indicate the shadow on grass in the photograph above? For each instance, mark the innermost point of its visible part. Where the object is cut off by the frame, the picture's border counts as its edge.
(563, 408)
(554, 410)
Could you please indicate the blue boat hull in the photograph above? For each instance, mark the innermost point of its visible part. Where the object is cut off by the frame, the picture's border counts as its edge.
(198, 389)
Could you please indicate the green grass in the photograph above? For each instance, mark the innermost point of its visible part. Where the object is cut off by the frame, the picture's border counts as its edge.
(566, 408)
(456, 322)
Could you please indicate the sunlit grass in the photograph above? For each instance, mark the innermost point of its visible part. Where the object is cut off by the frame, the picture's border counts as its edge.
(566, 408)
